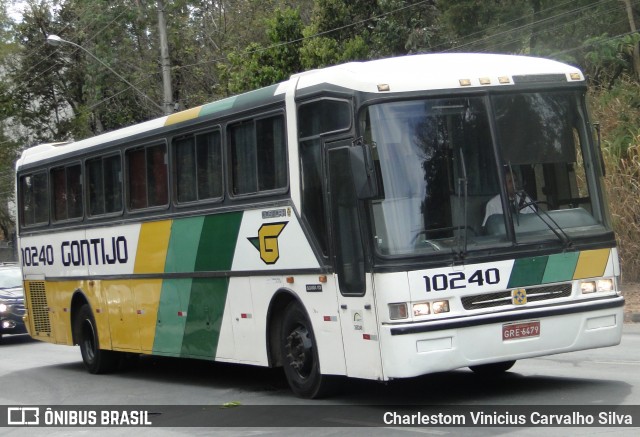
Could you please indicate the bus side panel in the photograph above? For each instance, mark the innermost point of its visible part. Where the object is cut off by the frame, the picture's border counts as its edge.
(171, 319)
(146, 295)
(248, 340)
(204, 317)
(58, 300)
(123, 321)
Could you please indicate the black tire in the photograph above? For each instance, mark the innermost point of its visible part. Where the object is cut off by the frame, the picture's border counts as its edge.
(300, 355)
(493, 369)
(96, 360)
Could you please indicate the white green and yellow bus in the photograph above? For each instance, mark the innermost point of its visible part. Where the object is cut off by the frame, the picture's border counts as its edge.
(346, 222)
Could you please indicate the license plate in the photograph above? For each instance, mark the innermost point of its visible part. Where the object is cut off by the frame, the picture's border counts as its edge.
(514, 331)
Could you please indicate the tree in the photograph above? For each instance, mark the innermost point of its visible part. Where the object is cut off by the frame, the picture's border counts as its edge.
(257, 66)
(339, 32)
(8, 145)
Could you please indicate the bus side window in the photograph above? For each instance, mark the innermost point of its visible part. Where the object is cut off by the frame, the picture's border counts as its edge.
(198, 167)
(317, 118)
(67, 192)
(258, 155)
(35, 199)
(147, 171)
(104, 185)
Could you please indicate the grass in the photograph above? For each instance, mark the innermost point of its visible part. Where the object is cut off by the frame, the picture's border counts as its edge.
(622, 183)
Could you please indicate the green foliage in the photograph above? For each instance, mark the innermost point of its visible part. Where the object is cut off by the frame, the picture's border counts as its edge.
(618, 112)
(608, 57)
(257, 66)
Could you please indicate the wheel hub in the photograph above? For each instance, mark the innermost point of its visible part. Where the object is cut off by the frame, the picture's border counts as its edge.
(299, 351)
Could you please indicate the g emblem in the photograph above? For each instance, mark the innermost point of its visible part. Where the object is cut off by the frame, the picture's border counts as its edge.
(267, 241)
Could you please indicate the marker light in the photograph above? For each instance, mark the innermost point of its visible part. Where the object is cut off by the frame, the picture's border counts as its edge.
(398, 311)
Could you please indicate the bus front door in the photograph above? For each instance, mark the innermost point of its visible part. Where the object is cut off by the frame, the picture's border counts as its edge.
(355, 299)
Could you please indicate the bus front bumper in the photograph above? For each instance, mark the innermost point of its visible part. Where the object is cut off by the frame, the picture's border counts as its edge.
(420, 348)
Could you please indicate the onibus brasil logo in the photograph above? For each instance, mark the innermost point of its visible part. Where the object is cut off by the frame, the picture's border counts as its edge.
(267, 241)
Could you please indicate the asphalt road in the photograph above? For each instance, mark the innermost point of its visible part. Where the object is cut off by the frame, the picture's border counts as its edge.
(35, 373)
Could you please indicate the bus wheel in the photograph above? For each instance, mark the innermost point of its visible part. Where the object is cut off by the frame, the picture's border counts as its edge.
(300, 355)
(493, 368)
(96, 360)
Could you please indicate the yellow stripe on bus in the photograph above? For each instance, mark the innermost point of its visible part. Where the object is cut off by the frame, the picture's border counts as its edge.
(181, 116)
(153, 243)
(591, 263)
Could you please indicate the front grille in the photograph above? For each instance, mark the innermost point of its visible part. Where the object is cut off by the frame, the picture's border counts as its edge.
(39, 307)
(501, 298)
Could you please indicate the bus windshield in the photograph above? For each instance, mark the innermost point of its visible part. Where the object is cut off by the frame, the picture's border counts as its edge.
(446, 179)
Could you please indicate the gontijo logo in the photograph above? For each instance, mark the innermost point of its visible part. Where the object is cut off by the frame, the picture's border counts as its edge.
(267, 241)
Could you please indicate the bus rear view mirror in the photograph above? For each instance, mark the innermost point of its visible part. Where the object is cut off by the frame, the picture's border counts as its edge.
(364, 173)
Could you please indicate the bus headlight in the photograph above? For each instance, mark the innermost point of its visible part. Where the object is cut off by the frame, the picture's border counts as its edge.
(604, 285)
(421, 309)
(398, 311)
(601, 285)
(440, 306)
(588, 287)
(3, 308)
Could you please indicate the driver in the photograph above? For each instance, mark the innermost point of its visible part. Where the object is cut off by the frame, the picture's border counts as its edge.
(516, 200)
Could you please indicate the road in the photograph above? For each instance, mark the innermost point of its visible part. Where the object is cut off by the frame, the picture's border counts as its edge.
(35, 373)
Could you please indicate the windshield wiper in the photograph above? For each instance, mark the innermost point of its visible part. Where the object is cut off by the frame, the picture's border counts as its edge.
(555, 228)
(462, 188)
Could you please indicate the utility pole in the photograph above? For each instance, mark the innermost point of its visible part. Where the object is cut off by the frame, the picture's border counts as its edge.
(636, 48)
(167, 103)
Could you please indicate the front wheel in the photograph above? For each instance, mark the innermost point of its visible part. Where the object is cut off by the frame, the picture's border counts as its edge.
(96, 360)
(300, 355)
(493, 369)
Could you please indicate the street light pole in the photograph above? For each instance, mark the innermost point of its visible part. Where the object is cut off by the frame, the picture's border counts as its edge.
(55, 40)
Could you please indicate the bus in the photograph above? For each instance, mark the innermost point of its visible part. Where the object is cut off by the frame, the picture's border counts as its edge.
(335, 225)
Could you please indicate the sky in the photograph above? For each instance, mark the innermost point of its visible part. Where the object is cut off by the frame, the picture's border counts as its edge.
(15, 8)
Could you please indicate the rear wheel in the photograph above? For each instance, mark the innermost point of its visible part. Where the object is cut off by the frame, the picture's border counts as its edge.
(96, 360)
(300, 355)
(493, 368)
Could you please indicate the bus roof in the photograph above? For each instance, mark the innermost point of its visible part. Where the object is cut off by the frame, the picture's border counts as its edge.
(436, 71)
(400, 74)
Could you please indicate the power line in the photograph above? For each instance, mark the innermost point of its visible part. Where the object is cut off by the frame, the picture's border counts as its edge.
(360, 22)
(571, 12)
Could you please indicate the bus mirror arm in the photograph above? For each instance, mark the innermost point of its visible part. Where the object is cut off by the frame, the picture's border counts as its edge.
(363, 170)
(599, 145)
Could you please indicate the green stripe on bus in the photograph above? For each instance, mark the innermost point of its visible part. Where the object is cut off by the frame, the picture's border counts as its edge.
(218, 242)
(560, 267)
(183, 245)
(528, 271)
(171, 320)
(253, 97)
(204, 317)
(220, 105)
